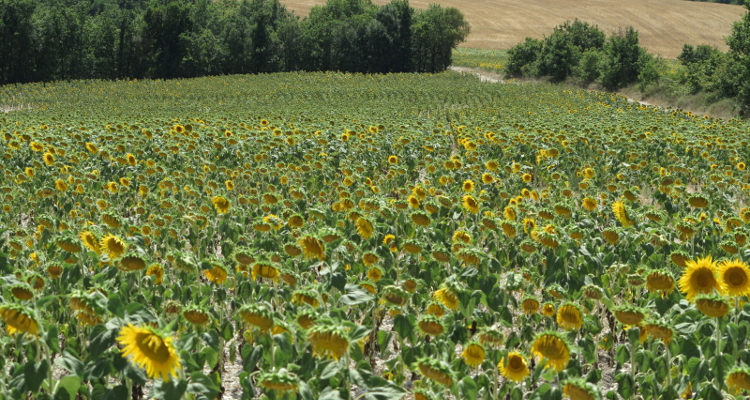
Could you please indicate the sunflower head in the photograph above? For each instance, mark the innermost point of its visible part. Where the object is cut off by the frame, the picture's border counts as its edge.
(699, 277)
(470, 203)
(659, 281)
(131, 262)
(312, 247)
(548, 310)
(328, 339)
(436, 370)
(258, 315)
(552, 347)
(473, 354)
(734, 277)
(69, 243)
(738, 379)
(19, 319)
(113, 246)
(569, 316)
(280, 380)
(530, 305)
(395, 295)
(659, 330)
(712, 305)
(221, 204)
(680, 258)
(196, 315)
(579, 389)
(431, 325)
(630, 315)
(150, 349)
(698, 201)
(515, 368)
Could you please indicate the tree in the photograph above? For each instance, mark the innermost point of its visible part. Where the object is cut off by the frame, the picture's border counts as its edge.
(623, 60)
(523, 56)
(739, 52)
(435, 33)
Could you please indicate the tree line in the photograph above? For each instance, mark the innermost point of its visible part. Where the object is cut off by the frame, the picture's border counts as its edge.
(46, 40)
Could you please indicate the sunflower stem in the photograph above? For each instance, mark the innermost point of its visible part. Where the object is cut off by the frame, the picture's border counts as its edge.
(633, 365)
(497, 382)
(717, 377)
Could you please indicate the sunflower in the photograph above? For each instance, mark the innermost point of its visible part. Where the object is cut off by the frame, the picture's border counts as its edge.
(621, 213)
(468, 186)
(698, 201)
(436, 370)
(569, 317)
(48, 158)
(328, 339)
(157, 271)
(554, 348)
(420, 218)
(629, 315)
(281, 380)
(265, 270)
(221, 204)
(431, 325)
(738, 378)
(370, 259)
(54, 271)
(19, 319)
(473, 354)
(734, 278)
(699, 278)
(196, 316)
(145, 347)
(713, 306)
(216, 274)
(392, 160)
(509, 228)
(579, 389)
(611, 236)
(374, 274)
(660, 281)
(90, 241)
(470, 204)
(515, 369)
(259, 316)
(364, 228)
(530, 305)
(446, 297)
(131, 262)
(660, 331)
(112, 246)
(22, 291)
(680, 258)
(548, 310)
(312, 247)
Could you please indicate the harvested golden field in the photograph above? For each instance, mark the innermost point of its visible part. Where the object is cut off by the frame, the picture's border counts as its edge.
(664, 25)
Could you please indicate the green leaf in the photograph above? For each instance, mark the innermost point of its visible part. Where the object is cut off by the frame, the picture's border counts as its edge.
(403, 326)
(100, 339)
(174, 389)
(51, 338)
(468, 387)
(333, 368)
(67, 388)
(710, 392)
(115, 306)
(625, 385)
(100, 392)
(250, 356)
(355, 294)
(34, 374)
(200, 383)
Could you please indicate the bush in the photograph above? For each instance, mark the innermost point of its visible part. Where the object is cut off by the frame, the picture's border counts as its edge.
(624, 60)
(522, 56)
(588, 65)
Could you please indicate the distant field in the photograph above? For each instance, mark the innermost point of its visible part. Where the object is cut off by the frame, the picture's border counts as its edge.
(664, 25)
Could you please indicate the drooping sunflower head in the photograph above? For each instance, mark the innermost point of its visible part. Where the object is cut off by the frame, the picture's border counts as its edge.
(569, 316)
(659, 330)
(712, 305)
(280, 380)
(630, 315)
(431, 325)
(530, 305)
(447, 295)
(473, 354)
(622, 214)
(579, 389)
(19, 319)
(131, 262)
(698, 201)
(305, 296)
(659, 281)
(436, 370)
(150, 349)
(680, 258)
(490, 336)
(112, 220)
(548, 310)
(420, 218)
(69, 243)
(157, 271)
(196, 315)
(90, 241)
(552, 347)
(312, 247)
(699, 278)
(22, 291)
(328, 339)
(516, 368)
(395, 295)
(215, 272)
(592, 292)
(243, 255)
(258, 315)
(734, 277)
(738, 379)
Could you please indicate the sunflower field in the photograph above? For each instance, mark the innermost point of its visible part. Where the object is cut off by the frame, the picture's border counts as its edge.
(338, 236)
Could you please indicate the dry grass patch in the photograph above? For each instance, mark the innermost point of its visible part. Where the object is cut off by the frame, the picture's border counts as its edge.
(664, 25)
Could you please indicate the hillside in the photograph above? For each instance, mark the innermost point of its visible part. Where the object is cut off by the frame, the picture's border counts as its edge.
(664, 25)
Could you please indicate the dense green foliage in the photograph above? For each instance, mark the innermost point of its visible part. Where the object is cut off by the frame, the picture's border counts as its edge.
(579, 49)
(112, 39)
(733, 2)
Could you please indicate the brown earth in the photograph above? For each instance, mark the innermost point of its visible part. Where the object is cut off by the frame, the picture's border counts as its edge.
(663, 25)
